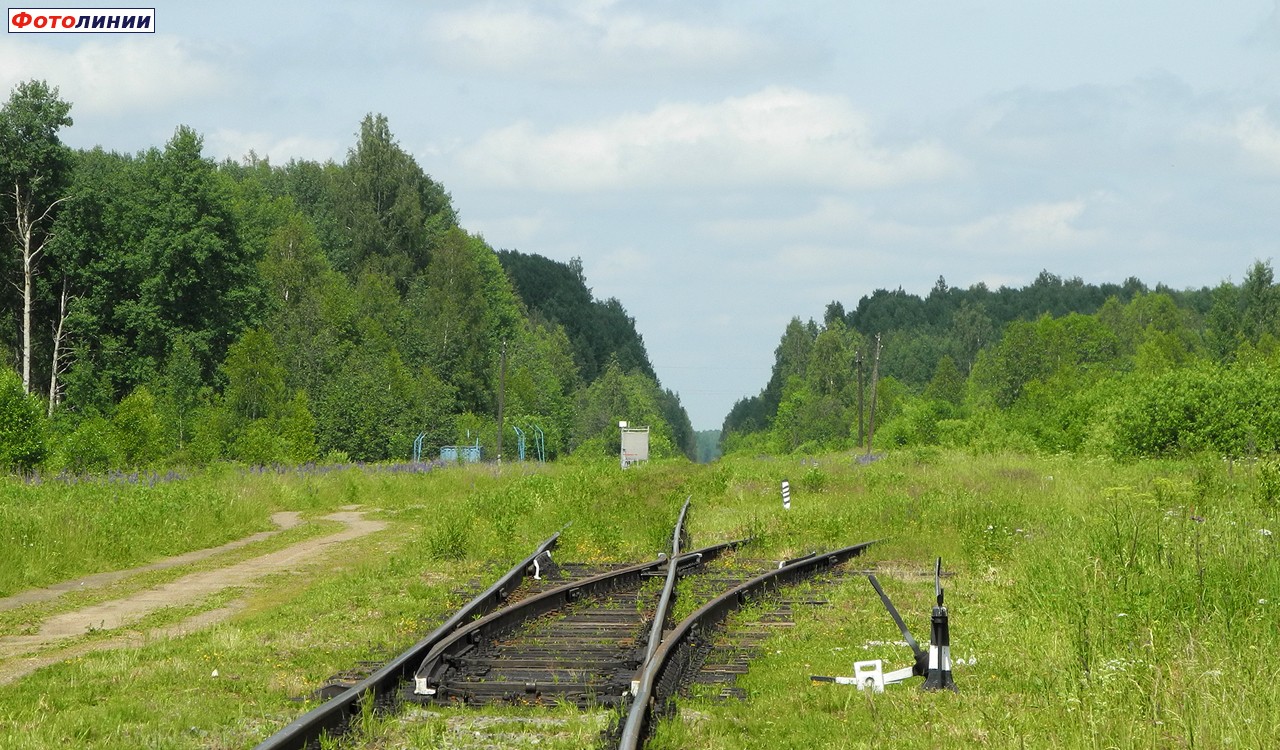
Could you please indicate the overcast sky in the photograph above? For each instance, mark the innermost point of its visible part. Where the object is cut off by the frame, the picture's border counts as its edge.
(723, 166)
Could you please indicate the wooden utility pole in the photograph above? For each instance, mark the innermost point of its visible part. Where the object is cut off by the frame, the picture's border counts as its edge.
(502, 387)
(875, 376)
(857, 361)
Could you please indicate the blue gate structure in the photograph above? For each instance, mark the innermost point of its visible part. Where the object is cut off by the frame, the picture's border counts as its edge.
(417, 447)
(540, 444)
(519, 441)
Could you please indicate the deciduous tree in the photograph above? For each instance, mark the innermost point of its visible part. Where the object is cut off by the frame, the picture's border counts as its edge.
(22, 427)
(33, 172)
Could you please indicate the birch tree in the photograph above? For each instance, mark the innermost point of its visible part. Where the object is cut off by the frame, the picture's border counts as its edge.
(33, 169)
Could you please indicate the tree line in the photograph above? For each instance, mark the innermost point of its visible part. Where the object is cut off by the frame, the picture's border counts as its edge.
(1121, 370)
(170, 309)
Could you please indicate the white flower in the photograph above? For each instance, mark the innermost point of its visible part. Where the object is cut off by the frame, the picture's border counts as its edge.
(1264, 532)
(1123, 614)
(1262, 601)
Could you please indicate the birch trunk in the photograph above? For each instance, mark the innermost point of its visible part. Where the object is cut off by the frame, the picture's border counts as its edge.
(55, 367)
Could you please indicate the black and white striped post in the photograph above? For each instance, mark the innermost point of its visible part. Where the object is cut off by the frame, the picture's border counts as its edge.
(786, 495)
(939, 675)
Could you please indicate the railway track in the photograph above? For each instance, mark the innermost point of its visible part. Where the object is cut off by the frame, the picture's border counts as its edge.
(683, 651)
(596, 637)
(582, 642)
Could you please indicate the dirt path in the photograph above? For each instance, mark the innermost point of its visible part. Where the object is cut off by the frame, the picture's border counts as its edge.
(284, 520)
(19, 654)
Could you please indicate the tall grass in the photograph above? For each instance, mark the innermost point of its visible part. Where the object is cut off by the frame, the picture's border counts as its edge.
(61, 528)
(1103, 605)
(57, 530)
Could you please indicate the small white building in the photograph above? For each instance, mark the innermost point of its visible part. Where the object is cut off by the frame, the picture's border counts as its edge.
(635, 444)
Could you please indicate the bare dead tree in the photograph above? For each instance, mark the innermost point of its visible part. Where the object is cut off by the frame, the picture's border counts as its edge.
(58, 364)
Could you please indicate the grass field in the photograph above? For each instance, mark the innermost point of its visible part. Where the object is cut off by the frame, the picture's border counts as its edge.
(1092, 604)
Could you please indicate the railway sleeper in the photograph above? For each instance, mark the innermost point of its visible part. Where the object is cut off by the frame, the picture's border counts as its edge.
(600, 616)
(602, 661)
(532, 692)
(604, 626)
(544, 673)
(565, 650)
(567, 646)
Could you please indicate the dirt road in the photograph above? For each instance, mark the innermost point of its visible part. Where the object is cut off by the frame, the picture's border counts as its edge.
(22, 654)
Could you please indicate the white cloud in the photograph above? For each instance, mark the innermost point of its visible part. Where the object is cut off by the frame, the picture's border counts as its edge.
(777, 137)
(1254, 133)
(832, 218)
(515, 230)
(1267, 33)
(838, 233)
(579, 41)
(1036, 226)
(115, 77)
(236, 144)
(619, 265)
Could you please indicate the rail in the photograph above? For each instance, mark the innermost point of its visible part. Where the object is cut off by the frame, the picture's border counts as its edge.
(335, 712)
(669, 588)
(662, 675)
(427, 677)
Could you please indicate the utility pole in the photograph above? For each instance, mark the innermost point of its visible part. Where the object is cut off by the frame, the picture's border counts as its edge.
(857, 360)
(875, 376)
(502, 388)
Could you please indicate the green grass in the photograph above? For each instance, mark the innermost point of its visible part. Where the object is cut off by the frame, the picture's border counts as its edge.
(57, 531)
(25, 620)
(1099, 611)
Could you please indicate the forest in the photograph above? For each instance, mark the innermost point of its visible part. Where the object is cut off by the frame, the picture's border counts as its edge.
(1124, 371)
(163, 309)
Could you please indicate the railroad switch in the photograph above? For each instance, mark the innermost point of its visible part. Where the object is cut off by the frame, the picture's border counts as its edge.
(934, 666)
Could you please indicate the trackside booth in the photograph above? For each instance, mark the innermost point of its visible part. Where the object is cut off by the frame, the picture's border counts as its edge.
(635, 444)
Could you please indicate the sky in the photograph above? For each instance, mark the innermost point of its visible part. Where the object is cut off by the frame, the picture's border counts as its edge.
(722, 167)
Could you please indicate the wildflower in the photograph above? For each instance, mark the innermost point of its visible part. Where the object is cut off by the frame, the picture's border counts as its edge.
(1264, 532)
